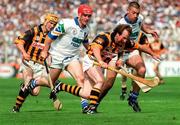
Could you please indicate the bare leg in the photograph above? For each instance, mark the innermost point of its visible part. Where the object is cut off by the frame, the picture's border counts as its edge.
(123, 88)
(137, 63)
(75, 69)
(23, 92)
(110, 79)
(156, 70)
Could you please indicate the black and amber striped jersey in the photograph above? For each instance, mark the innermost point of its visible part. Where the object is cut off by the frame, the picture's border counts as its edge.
(109, 49)
(33, 41)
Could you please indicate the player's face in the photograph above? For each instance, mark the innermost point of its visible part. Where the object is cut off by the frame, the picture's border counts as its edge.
(84, 19)
(133, 14)
(50, 25)
(120, 40)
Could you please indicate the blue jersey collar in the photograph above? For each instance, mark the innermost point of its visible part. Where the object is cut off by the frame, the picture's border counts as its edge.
(127, 19)
(76, 21)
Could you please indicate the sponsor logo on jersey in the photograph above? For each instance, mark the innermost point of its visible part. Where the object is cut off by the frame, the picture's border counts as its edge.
(38, 45)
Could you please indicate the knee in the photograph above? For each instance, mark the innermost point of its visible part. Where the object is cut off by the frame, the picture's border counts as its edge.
(142, 71)
(35, 91)
(80, 80)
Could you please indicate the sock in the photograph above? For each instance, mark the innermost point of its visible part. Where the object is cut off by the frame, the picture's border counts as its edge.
(21, 97)
(124, 89)
(32, 84)
(94, 96)
(72, 89)
(134, 96)
(84, 103)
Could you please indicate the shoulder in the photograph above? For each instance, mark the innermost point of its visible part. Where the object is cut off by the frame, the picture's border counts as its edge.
(122, 21)
(66, 22)
(140, 18)
(103, 37)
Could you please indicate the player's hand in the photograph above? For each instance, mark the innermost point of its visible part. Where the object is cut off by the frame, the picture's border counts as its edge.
(155, 35)
(119, 63)
(103, 64)
(44, 55)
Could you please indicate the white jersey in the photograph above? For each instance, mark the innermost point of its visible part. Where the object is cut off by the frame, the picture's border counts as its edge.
(68, 37)
(136, 27)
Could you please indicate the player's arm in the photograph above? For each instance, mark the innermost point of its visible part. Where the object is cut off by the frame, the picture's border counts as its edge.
(24, 40)
(96, 50)
(97, 47)
(146, 49)
(47, 42)
(148, 30)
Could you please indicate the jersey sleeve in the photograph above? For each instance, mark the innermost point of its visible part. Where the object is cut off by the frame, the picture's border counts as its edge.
(101, 41)
(25, 37)
(86, 40)
(121, 21)
(131, 45)
(57, 31)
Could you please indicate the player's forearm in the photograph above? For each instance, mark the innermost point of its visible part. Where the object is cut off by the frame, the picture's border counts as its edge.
(21, 48)
(48, 42)
(146, 49)
(97, 54)
(146, 29)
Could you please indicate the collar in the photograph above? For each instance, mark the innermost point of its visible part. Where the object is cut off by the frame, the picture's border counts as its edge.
(127, 19)
(76, 21)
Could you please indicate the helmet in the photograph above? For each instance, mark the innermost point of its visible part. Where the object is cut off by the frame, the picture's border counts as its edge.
(84, 9)
(51, 17)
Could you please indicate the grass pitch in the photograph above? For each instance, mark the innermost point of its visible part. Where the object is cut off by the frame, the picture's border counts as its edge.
(161, 106)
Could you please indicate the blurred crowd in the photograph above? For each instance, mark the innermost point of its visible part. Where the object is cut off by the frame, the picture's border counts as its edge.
(18, 15)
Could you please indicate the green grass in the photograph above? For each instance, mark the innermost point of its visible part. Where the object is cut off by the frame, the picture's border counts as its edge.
(161, 106)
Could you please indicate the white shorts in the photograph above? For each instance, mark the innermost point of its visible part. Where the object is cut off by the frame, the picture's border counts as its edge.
(87, 63)
(61, 62)
(38, 69)
(127, 55)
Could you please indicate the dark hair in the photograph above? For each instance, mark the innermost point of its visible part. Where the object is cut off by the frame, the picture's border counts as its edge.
(134, 4)
(120, 28)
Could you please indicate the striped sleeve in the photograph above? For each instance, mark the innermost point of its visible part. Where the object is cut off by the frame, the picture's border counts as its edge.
(25, 37)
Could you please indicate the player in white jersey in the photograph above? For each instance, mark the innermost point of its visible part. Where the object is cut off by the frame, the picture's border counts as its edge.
(66, 39)
(132, 58)
(66, 46)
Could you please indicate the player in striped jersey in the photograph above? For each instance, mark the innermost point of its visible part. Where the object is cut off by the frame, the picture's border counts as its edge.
(158, 48)
(30, 44)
